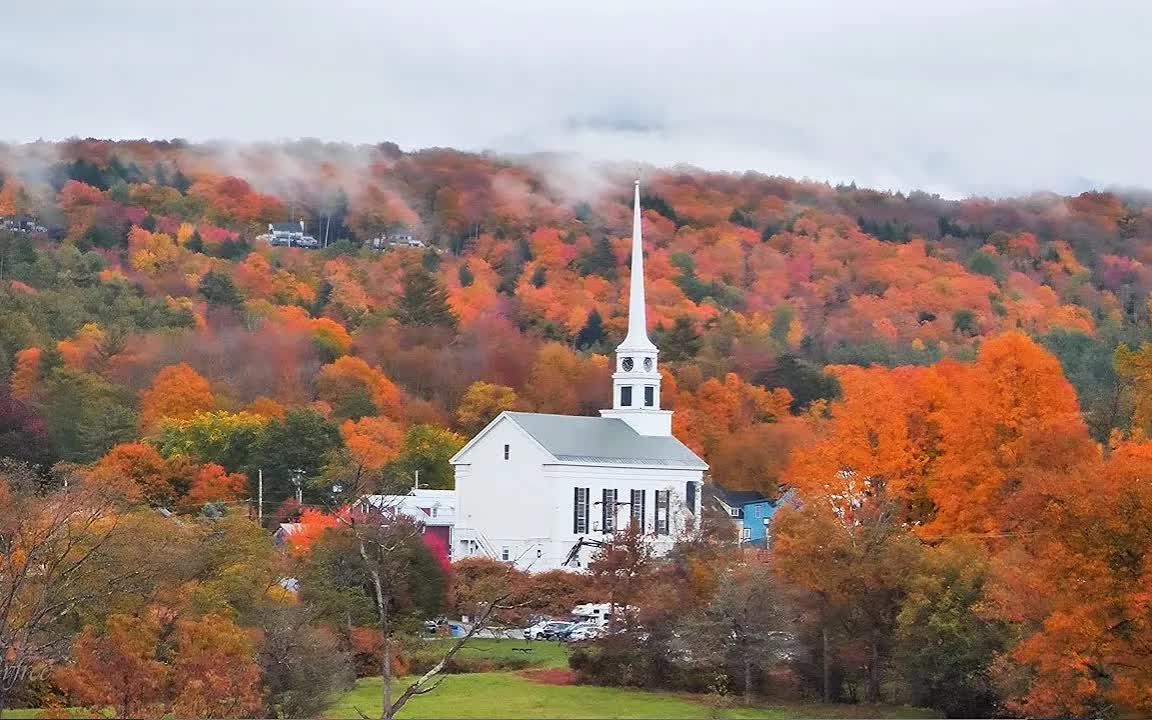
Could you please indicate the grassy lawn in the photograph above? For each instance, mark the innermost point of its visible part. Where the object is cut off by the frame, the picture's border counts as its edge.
(537, 653)
(508, 696)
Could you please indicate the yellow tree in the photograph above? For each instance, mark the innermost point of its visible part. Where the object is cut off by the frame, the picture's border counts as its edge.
(1135, 369)
(482, 402)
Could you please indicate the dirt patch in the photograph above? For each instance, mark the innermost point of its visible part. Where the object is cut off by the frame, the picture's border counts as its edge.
(550, 676)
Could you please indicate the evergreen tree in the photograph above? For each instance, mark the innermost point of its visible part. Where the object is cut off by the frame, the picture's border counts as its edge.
(424, 301)
(805, 381)
(600, 260)
(539, 277)
(181, 182)
(195, 243)
(660, 205)
(467, 277)
(219, 290)
(592, 333)
(682, 342)
(739, 217)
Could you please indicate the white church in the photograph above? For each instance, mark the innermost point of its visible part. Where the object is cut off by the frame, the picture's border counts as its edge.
(545, 491)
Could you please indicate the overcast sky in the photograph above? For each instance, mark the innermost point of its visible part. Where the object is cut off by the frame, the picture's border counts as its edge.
(957, 96)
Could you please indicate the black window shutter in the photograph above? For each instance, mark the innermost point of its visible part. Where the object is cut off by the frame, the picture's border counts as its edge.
(576, 511)
(608, 511)
(662, 511)
(638, 508)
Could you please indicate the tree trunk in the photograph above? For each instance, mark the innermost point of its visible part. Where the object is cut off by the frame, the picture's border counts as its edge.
(386, 712)
(747, 679)
(827, 658)
(386, 653)
(874, 671)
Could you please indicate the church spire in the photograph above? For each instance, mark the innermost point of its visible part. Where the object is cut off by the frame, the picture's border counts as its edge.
(636, 382)
(637, 337)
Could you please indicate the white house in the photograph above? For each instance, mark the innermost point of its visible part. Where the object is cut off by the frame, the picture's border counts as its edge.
(290, 234)
(542, 491)
(433, 510)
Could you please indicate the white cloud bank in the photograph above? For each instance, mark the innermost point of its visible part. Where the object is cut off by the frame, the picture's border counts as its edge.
(953, 96)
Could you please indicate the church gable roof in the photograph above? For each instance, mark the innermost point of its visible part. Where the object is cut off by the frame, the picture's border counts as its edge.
(579, 439)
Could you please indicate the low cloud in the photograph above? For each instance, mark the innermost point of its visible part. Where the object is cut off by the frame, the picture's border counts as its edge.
(974, 97)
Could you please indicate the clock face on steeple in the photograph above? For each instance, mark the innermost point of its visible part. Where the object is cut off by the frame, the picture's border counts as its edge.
(627, 363)
(647, 364)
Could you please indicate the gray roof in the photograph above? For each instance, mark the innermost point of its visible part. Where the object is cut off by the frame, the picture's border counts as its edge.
(737, 498)
(578, 439)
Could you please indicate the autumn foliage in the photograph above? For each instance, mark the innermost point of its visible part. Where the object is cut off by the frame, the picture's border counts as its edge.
(950, 398)
(214, 674)
(176, 392)
(994, 451)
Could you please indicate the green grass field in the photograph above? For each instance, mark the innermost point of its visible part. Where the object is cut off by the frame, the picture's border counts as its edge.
(536, 653)
(508, 696)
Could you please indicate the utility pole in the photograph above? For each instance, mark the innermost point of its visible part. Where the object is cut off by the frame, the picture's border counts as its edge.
(260, 497)
(298, 481)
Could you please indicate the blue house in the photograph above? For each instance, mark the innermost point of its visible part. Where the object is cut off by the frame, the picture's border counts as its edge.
(751, 511)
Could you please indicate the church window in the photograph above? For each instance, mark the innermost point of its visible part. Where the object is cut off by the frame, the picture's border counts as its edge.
(580, 511)
(608, 511)
(625, 396)
(505, 554)
(662, 512)
(649, 396)
(690, 496)
(507, 451)
(638, 509)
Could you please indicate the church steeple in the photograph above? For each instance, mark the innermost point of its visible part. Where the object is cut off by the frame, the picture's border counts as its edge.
(637, 337)
(636, 382)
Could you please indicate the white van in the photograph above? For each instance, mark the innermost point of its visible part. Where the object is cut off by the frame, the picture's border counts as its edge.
(593, 613)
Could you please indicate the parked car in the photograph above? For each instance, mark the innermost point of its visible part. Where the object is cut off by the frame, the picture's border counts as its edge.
(532, 632)
(586, 631)
(548, 630)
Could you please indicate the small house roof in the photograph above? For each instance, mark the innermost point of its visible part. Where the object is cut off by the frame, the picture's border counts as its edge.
(737, 498)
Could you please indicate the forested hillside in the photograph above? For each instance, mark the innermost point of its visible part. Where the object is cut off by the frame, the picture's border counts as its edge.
(957, 392)
(147, 296)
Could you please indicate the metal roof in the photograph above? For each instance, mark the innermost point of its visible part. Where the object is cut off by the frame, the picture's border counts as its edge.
(607, 441)
(737, 498)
